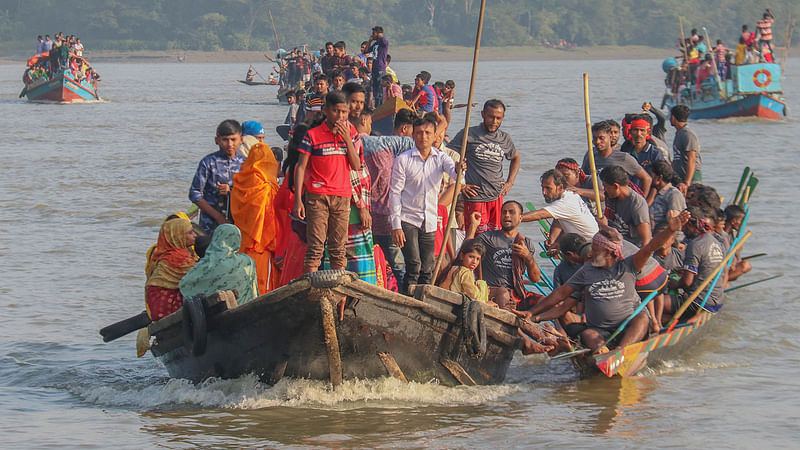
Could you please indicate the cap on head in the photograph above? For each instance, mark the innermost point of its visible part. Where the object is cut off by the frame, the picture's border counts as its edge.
(252, 128)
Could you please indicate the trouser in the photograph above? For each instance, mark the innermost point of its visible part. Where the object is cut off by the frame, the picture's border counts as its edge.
(394, 256)
(377, 89)
(418, 253)
(326, 218)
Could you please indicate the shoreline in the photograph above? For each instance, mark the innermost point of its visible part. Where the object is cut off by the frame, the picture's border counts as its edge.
(399, 53)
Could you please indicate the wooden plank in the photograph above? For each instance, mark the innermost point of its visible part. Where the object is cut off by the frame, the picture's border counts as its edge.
(391, 366)
(458, 372)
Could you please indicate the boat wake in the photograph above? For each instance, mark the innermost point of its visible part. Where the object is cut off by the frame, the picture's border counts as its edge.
(674, 367)
(247, 393)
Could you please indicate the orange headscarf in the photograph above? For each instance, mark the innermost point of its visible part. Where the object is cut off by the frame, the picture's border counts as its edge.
(173, 255)
(254, 189)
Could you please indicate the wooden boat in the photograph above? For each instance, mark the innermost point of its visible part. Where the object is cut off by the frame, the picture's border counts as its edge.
(629, 360)
(331, 325)
(383, 116)
(753, 91)
(257, 83)
(63, 87)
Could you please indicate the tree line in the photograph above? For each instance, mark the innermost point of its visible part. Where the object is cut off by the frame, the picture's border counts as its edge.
(245, 24)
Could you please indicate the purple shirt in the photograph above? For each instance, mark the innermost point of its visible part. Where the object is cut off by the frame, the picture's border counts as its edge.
(381, 49)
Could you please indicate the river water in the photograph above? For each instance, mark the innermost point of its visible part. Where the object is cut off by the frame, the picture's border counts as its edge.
(86, 188)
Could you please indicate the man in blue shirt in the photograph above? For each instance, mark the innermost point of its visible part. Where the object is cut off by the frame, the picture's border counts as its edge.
(213, 180)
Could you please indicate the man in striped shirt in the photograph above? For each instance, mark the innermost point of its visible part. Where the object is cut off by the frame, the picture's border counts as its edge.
(764, 27)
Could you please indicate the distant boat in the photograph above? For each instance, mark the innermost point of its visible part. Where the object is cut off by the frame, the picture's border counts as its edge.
(754, 90)
(257, 83)
(62, 86)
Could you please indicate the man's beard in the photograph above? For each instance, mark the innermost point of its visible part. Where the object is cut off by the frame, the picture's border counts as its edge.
(549, 199)
(507, 227)
(599, 260)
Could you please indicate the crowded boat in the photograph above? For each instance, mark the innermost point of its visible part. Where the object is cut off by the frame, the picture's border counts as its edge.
(58, 71)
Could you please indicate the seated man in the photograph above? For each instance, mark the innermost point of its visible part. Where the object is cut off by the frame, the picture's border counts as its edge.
(509, 255)
(734, 215)
(565, 206)
(626, 210)
(703, 254)
(213, 180)
(608, 287)
(605, 155)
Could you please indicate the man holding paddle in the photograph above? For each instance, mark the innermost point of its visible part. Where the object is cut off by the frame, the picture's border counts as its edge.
(608, 286)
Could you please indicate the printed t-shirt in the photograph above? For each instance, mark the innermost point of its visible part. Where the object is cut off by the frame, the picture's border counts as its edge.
(686, 141)
(626, 214)
(609, 293)
(615, 158)
(703, 255)
(672, 261)
(328, 171)
(573, 215)
(484, 157)
(496, 263)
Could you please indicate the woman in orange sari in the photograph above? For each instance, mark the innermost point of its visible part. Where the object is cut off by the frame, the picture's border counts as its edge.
(169, 261)
(253, 210)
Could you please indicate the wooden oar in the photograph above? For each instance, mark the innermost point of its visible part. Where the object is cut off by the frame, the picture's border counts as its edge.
(757, 255)
(753, 282)
(742, 182)
(451, 217)
(705, 283)
(595, 186)
(719, 274)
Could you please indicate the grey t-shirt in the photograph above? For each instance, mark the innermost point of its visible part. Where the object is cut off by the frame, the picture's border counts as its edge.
(669, 199)
(626, 214)
(484, 156)
(615, 158)
(563, 272)
(703, 255)
(650, 265)
(496, 263)
(672, 261)
(685, 141)
(610, 294)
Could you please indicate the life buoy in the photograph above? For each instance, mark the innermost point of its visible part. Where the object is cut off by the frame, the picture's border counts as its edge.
(767, 78)
(194, 325)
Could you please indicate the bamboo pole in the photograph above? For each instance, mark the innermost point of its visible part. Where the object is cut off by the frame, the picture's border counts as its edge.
(452, 214)
(274, 31)
(705, 283)
(683, 44)
(595, 185)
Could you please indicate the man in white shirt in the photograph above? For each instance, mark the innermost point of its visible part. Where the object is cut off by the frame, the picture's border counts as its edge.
(566, 207)
(413, 198)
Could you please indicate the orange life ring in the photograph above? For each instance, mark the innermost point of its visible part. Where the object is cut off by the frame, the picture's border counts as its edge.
(758, 82)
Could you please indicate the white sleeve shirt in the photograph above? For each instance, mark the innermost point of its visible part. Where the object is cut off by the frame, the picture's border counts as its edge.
(414, 188)
(573, 215)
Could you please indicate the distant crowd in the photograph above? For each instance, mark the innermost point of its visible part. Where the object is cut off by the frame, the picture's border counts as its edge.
(58, 54)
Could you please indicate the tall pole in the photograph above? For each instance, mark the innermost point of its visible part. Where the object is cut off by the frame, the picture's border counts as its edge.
(595, 185)
(683, 43)
(274, 31)
(452, 214)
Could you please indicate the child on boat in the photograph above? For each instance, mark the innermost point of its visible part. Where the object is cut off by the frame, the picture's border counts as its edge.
(460, 277)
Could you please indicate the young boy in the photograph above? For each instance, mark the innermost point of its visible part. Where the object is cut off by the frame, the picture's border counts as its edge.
(213, 180)
(327, 154)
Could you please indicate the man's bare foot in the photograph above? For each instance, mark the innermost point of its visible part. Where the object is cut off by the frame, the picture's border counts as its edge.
(530, 346)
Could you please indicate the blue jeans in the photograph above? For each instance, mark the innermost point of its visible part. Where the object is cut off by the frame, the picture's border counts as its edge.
(394, 256)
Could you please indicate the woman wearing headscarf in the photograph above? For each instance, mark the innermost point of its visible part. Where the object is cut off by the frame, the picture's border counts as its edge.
(291, 249)
(223, 268)
(167, 264)
(253, 209)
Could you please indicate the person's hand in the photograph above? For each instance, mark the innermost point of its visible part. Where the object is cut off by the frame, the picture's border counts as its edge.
(525, 315)
(603, 220)
(676, 220)
(341, 129)
(398, 238)
(682, 187)
(506, 187)
(366, 218)
(220, 219)
(299, 211)
(223, 188)
(469, 190)
(646, 106)
(522, 251)
(463, 166)
(475, 218)
(552, 248)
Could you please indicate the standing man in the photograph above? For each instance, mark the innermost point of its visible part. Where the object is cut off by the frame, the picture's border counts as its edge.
(328, 59)
(642, 150)
(211, 186)
(686, 161)
(380, 50)
(327, 154)
(487, 145)
(605, 156)
(39, 45)
(626, 210)
(48, 44)
(379, 155)
(414, 195)
(764, 27)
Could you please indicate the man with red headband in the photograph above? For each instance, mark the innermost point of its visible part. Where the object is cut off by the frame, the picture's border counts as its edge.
(608, 287)
(703, 254)
(642, 150)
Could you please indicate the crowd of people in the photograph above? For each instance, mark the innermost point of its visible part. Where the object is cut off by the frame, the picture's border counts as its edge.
(343, 198)
(701, 60)
(57, 54)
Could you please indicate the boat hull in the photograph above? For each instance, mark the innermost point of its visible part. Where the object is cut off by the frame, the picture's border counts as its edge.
(63, 88)
(282, 334)
(765, 106)
(629, 360)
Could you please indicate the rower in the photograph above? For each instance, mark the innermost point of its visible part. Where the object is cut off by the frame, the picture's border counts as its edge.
(667, 197)
(251, 74)
(626, 210)
(608, 286)
(704, 252)
(645, 153)
(605, 155)
(734, 216)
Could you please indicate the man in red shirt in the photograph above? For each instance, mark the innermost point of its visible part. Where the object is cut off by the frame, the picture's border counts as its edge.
(327, 154)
